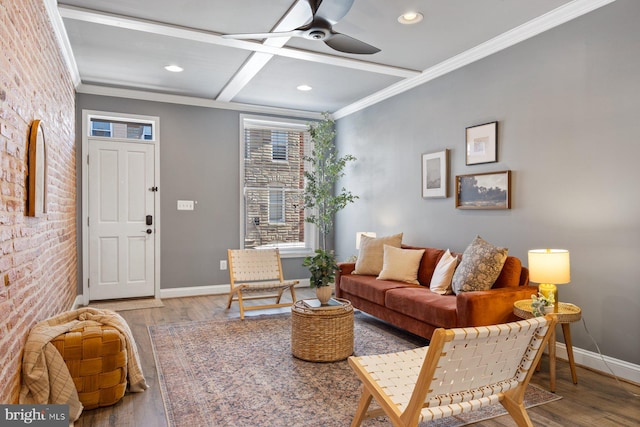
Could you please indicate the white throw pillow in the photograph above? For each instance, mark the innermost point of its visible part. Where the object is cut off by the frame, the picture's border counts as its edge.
(442, 275)
(401, 264)
(371, 256)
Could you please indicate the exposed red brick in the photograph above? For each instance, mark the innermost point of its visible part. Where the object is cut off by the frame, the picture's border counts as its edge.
(37, 255)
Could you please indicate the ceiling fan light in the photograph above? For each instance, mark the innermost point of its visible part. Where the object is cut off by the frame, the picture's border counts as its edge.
(410, 18)
(174, 68)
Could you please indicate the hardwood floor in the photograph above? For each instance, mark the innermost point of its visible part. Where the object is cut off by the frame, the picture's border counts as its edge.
(597, 400)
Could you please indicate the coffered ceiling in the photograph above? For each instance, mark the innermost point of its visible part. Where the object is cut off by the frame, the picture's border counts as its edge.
(121, 47)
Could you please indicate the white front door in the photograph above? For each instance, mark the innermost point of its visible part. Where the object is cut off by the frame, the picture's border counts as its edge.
(121, 219)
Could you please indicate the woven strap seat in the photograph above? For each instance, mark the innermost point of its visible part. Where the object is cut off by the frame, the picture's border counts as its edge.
(96, 357)
(257, 271)
(461, 370)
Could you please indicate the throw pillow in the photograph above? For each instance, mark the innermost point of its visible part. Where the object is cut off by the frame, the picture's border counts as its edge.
(480, 266)
(371, 256)
(401, 264)
(443, 274)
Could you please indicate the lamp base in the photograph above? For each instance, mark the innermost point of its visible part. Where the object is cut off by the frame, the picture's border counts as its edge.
(549, 290)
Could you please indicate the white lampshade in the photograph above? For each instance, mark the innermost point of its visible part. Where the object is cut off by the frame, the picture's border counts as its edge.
(549, 266)
(359, 235)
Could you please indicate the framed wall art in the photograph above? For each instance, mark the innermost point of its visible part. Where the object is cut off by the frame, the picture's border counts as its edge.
(435, 174)
(482, 144)
(490, 190)
(37, 192)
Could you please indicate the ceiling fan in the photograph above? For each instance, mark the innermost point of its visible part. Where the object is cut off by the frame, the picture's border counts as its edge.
(323, 15)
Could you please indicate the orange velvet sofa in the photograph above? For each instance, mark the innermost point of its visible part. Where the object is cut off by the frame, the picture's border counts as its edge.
(416, 309)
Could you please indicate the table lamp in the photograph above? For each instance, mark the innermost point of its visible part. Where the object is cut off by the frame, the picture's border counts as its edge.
(359, 235)
(549, 267)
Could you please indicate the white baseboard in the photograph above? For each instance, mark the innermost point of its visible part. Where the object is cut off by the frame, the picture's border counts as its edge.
(77, 302)
(193, 291)
(588, 359)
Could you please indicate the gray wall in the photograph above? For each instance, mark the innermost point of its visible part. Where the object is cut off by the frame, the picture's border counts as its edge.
(199, 159)
(568, 104)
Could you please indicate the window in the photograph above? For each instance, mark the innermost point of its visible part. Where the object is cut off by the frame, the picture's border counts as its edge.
(272, 177)
(108, 128)
(276, 207)
(279, 140)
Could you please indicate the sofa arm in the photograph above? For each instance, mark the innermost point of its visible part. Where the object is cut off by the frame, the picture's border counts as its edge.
(481, 308)
(344, 269)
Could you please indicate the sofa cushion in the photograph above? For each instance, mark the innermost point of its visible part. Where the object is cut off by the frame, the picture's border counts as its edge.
(401, 264)
(443, 274)
(424, 305)
(510, 275)
(480, 266)
(371, 256)
(369, 287)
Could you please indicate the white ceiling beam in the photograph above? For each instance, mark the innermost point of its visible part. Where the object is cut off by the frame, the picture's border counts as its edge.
(258, 60)
(194, 101)
(545, 22)
(186, 33)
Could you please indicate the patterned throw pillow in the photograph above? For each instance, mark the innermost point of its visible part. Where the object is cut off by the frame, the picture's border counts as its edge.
(480, 267)
(371, 256)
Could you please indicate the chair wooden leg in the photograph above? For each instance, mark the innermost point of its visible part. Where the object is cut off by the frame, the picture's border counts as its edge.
(280, 292)
(241, 305)
(229, 300)
(363, 406)
(516, 410)
(293, 294)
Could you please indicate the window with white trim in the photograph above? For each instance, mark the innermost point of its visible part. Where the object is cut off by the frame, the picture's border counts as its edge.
(272, 178)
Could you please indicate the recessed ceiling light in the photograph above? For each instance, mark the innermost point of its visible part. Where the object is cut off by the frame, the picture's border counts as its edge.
(304, 88)
(174, 68)
(410, 18)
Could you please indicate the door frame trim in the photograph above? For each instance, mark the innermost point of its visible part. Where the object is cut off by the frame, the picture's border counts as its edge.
(86, 114)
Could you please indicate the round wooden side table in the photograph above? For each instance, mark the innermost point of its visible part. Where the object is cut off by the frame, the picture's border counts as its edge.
(322, 334)
(566, 314)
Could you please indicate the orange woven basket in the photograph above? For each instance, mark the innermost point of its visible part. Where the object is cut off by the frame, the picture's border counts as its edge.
(97, 360)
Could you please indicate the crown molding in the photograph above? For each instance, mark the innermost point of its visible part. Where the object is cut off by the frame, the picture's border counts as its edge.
(523, 32)
(51, 7)
(193, 101)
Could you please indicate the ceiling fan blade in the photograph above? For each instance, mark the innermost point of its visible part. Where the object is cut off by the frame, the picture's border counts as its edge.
(332, 10)
(346, 44)
(259, 36)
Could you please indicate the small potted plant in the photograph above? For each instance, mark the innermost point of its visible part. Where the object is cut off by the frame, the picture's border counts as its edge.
(541, 304)
(324, 200)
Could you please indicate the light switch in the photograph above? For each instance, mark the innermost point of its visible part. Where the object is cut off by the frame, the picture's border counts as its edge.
(185, 205)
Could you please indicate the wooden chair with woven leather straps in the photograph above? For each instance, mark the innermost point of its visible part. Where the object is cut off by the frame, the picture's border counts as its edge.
(461, 370)
(256, 272)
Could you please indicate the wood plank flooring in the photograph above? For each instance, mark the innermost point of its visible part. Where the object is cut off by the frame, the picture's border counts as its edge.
(597, 400)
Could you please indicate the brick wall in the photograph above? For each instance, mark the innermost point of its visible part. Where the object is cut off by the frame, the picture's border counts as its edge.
(38, 260)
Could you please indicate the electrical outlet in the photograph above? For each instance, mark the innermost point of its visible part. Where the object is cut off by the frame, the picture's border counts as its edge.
(185, 205)
(223, 264)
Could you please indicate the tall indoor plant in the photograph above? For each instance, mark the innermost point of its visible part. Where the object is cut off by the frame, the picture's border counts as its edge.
(323, 199)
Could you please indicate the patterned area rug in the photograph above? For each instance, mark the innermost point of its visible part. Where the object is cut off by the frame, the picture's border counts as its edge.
(241, 373)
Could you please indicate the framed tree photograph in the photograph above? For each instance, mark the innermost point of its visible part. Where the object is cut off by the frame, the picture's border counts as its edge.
(482, 144)
(435, 174)
(490, 190)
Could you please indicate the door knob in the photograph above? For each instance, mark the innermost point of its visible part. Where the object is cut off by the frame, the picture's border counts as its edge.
(148, 231)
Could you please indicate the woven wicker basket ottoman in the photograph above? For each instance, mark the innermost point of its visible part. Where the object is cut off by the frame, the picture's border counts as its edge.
(97, 360)
(323, 334)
